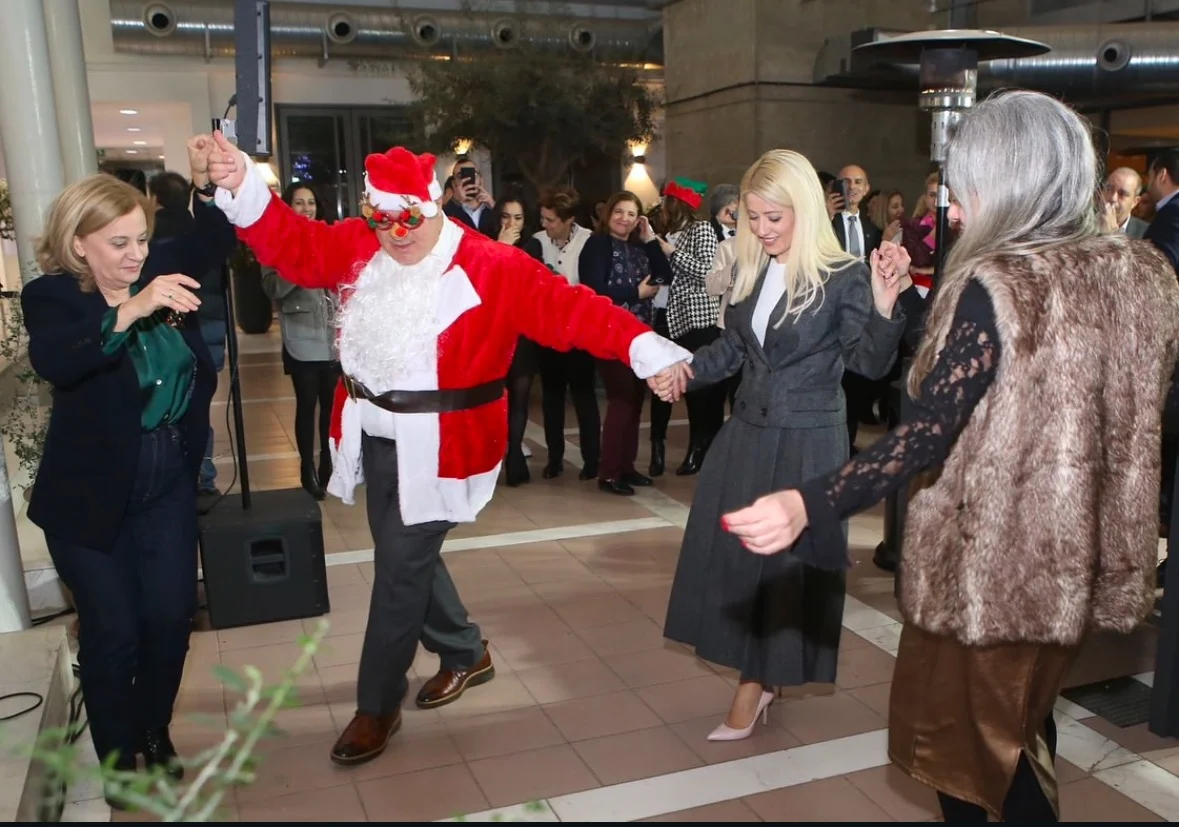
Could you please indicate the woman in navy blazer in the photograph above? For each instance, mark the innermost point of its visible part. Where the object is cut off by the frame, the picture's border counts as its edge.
(115, 493)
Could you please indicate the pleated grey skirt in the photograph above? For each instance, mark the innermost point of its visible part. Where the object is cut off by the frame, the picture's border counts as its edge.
(772, 618)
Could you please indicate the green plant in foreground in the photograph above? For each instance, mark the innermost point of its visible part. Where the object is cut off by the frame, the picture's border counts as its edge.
(213, 773)
(25, 417)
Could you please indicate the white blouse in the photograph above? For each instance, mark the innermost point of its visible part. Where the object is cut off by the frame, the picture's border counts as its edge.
(772, 290)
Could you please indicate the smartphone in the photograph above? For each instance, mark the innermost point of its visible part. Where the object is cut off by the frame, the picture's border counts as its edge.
(466, 177)
(842, 186)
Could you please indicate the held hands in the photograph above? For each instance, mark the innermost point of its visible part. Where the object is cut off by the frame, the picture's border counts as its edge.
(226, 168)
(771, 524)
(200, 147)
(671, 383)
(890, 265)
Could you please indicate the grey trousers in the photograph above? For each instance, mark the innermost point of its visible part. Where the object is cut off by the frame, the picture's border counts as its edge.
(414, 598)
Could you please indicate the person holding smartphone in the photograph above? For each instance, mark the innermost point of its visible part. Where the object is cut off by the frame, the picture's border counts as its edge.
(472, 204)
(626, 263)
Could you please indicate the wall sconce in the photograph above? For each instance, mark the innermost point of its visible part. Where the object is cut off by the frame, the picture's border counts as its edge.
(638, 152)
(462, 146)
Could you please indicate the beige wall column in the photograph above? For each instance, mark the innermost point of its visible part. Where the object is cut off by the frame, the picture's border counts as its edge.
(71, 91)
(740, 81)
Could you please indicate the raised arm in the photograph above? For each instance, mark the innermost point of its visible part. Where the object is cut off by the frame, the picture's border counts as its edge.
(868, 339)
(307, 253)
(965, 369)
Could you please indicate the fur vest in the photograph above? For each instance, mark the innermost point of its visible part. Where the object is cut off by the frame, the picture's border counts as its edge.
(1043, 522)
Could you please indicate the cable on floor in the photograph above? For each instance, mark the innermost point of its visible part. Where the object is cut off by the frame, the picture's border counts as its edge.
(38, 699)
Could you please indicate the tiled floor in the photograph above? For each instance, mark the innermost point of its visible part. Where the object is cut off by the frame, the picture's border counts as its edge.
(592, 714)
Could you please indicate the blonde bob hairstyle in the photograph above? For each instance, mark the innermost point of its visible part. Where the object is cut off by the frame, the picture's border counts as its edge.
(84, 208)
(787, 179)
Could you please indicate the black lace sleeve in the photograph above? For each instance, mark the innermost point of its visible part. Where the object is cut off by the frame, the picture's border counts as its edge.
(963, 372)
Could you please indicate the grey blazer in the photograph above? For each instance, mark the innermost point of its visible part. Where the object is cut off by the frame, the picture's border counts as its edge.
(305, 317)
(1136, 227)
(794, 381)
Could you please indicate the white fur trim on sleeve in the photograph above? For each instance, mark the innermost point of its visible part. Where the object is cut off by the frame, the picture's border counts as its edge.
(246, 206)
(650, 353)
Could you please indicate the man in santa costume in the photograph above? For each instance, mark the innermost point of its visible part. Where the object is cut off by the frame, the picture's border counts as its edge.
(429, 317)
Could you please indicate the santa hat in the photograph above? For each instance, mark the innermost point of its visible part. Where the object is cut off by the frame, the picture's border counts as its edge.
(689, 191)
(398, 180)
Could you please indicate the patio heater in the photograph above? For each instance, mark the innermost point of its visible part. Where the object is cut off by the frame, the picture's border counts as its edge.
(948, 78)
(948, 61)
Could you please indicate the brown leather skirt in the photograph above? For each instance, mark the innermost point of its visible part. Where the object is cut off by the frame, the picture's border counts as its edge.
(960, 716)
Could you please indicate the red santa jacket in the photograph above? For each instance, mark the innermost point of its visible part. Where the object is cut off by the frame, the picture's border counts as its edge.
(510, 294)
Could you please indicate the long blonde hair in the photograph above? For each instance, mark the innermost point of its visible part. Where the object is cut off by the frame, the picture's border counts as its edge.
(787, 178)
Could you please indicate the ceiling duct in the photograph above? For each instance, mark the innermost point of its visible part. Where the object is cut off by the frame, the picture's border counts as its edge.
(204, 28)
(1088, 64)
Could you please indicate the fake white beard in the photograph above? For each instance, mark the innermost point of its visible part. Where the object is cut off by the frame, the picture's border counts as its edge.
(388, 326)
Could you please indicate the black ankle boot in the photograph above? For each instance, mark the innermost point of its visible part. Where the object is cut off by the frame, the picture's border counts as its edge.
(158, 751)
(310, 482)
(658, 458)
(692, 462)
(516, 469)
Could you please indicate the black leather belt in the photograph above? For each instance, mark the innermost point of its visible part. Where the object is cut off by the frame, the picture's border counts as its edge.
(441, 401)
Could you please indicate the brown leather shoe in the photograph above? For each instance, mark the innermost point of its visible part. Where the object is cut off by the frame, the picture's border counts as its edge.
(449, 685)
(365, 737)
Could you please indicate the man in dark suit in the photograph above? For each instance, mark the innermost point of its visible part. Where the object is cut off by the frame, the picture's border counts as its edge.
(859, 237)
(855, 230)
(1163, 184)
(1163, 233)
(472, 204)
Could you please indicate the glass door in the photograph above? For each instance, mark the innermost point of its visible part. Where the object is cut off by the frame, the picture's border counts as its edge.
(326, 146)
(312, 148)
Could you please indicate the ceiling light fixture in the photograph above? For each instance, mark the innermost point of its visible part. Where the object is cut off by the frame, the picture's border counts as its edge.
(132, 151)
(128, 111)
(134, 129)
(140, 143)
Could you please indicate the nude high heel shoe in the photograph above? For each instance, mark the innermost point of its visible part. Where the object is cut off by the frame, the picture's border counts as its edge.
(724, 732)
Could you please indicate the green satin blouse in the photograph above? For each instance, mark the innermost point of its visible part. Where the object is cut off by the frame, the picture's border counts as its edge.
(163, 362)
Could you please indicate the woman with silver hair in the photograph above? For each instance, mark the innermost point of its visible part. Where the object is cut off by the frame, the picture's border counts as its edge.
(1047, 356)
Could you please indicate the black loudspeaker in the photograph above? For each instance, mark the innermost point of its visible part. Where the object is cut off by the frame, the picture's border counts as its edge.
(264, 563)
(251, 43)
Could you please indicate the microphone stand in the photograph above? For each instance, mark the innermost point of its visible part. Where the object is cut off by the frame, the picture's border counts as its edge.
(235, 391)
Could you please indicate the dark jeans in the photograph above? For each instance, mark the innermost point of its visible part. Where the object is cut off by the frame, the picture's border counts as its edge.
(314, 386)
(1025, 802)
(574, 370)
(136, 602)
(624, 410)
(706, 406)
